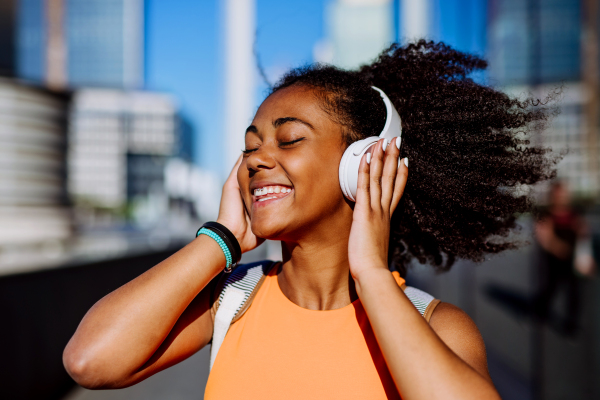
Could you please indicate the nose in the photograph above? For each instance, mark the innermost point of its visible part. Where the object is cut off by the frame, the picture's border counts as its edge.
(261, 159)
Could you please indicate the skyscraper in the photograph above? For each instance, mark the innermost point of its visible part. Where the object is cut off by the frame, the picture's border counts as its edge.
(33, 201)
(105, 42)
(536, 46)
(119, 143)
(30, 40)
(357, 31)
(81, 42)
(535, 42)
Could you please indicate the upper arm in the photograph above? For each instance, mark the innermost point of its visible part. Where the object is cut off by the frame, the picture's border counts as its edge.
(458, 331)
(191, 332)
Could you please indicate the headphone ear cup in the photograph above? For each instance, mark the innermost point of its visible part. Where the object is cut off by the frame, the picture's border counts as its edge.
(348, 171)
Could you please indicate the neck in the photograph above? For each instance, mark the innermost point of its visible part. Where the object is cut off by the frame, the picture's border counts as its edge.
(315, 271)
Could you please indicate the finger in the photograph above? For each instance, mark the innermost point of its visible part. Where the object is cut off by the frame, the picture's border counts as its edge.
(232, 178)
(390, 169)
(375, 175)
(401, 178)
(362, 185)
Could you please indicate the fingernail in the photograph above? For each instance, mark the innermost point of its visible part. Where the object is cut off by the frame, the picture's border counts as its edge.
(406, 161)
(385, 143)
(368, 158)
(398, 140)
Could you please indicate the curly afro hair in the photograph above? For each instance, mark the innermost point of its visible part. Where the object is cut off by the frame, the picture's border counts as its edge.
(467, 144)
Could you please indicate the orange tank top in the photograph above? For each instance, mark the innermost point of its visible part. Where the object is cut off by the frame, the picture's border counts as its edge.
(279, 350)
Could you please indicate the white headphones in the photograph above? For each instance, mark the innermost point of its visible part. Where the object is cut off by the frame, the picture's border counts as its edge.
(354, 153)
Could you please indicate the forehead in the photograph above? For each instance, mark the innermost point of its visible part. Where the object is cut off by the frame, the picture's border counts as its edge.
(293, 101)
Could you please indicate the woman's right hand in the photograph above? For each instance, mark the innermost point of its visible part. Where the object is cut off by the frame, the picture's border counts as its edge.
(233, 214)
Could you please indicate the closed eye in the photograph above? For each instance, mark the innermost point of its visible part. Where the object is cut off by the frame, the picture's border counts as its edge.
(281, 144)
(284, 144)
(248, 151)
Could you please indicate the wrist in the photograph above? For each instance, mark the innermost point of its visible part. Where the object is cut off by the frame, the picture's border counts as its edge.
(226, 240)
(210, 248)
(372, 277)
(227, 224)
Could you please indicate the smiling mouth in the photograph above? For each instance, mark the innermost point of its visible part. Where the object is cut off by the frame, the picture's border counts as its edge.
(271, 193)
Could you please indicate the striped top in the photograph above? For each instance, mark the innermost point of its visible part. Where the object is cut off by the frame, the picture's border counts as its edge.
(244, 279)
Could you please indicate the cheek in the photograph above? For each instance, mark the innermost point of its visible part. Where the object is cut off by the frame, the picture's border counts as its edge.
(317, 177)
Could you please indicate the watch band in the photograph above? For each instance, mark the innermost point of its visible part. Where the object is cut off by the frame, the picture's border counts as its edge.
(227, 237)
(222, 245)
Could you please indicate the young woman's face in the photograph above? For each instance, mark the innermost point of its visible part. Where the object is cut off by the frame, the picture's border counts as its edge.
(289, 174)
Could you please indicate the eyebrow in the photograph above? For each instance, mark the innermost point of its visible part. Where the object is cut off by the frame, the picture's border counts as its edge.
(280, 121)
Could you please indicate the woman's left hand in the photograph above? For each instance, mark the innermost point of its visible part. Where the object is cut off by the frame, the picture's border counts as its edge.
(380, 186)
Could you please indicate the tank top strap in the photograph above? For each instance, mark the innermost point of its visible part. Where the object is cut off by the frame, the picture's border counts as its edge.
(423, 302)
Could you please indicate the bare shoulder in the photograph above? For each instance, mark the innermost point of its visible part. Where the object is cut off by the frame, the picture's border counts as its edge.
(458, 331)
(449, 319)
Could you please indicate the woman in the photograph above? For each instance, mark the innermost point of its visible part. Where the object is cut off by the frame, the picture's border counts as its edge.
(557, 231)
(347, 329)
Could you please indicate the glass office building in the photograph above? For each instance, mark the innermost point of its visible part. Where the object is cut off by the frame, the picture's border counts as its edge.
(118, 145)
(535, 46)
(534, 41)
(104, 42)
(34, 211)
(31, 39)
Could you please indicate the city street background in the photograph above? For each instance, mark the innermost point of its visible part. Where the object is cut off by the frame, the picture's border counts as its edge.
(120, 119)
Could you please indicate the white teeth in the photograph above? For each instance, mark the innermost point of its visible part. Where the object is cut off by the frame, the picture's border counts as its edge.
(266, 198)
(270, 189)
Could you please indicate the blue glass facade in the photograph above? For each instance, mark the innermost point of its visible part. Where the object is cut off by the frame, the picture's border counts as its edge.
(534, 41)
(560, 31)
(31, 40)
(103, 38)
(95, 42)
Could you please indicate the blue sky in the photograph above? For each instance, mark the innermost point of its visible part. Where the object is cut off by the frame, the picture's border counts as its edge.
(184, 55)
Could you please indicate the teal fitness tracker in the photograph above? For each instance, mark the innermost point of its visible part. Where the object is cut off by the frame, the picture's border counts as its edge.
(226, 240)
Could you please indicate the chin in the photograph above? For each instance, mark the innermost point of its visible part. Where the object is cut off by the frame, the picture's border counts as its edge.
(268, 228)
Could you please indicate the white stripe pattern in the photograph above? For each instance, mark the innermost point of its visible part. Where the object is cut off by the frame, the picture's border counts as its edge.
(419, 298)
(244, 277)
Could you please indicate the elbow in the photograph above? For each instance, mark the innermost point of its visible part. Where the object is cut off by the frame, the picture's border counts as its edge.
(87, 370)
(79, 368)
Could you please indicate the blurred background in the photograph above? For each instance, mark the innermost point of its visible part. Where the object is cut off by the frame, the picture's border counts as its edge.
(120, 119)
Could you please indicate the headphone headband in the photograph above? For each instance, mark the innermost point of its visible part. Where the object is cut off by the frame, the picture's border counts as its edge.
(348, 171)
(393, 123)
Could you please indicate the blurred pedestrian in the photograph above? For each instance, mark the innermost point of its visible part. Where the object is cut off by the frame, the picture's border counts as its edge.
(558, 230)
(331, 320)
